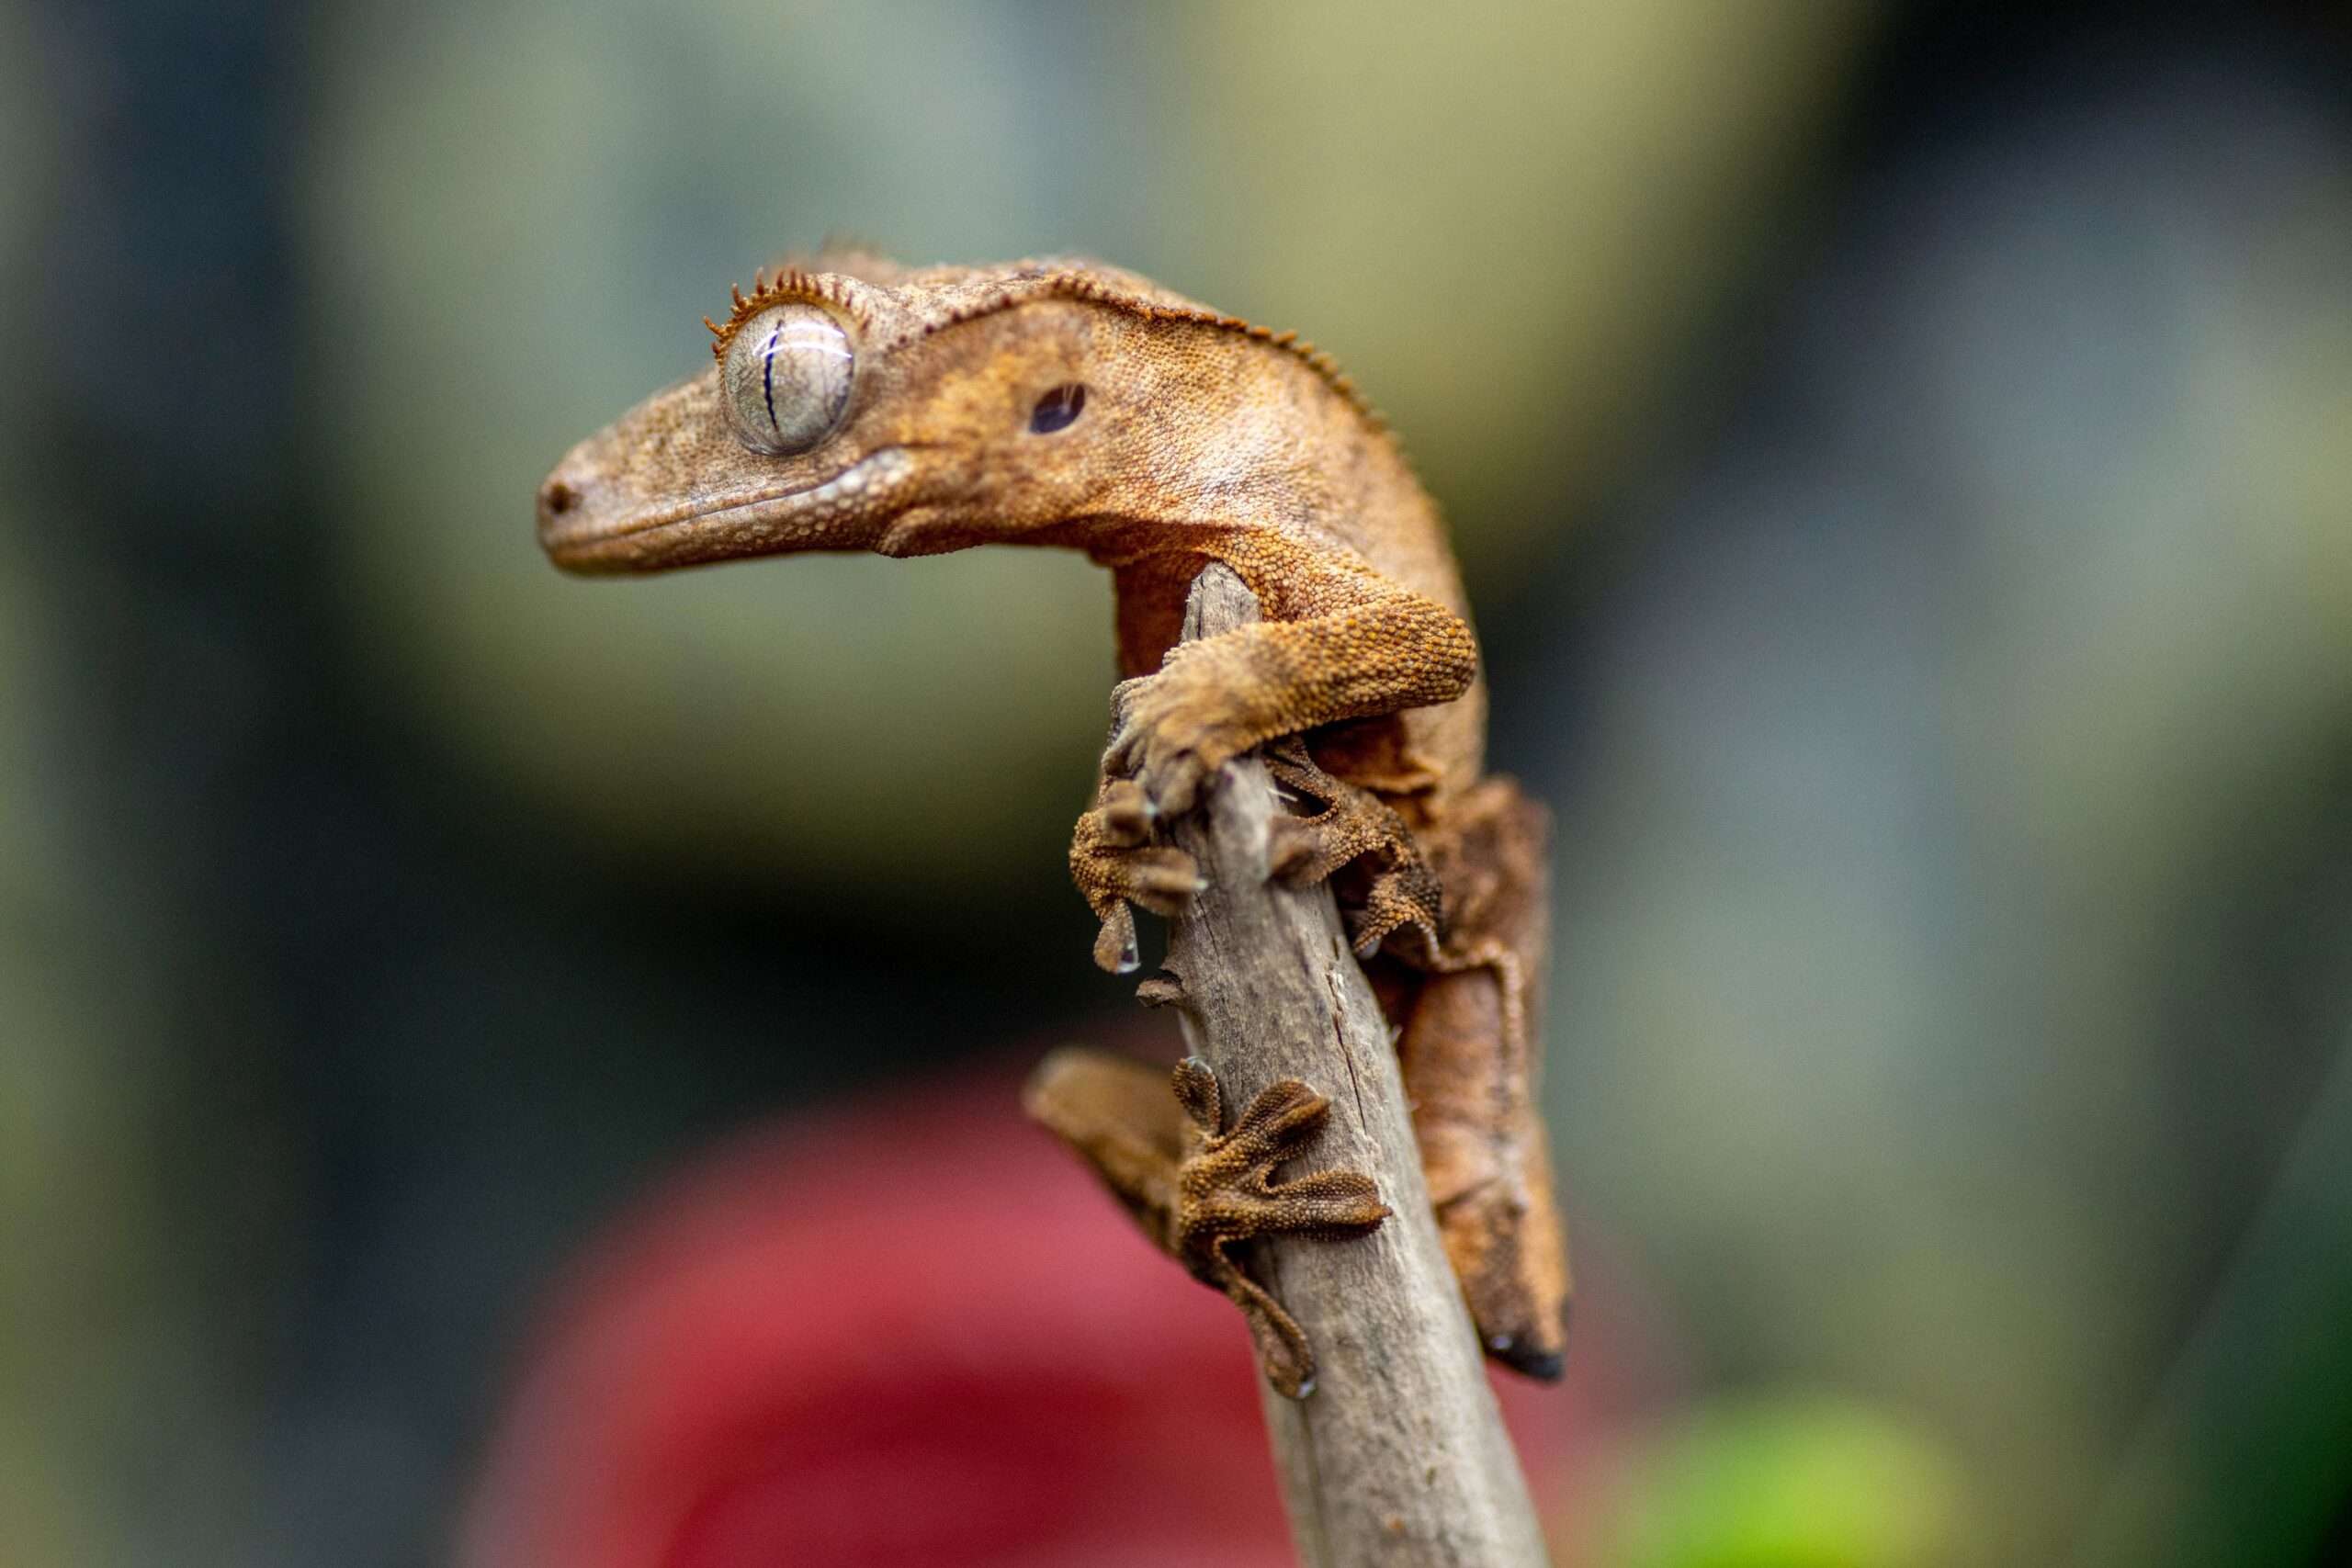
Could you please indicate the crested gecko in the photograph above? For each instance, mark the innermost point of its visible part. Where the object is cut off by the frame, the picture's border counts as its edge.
(853, 404)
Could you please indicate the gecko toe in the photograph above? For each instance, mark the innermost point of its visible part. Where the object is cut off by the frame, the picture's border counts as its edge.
(1114, 945)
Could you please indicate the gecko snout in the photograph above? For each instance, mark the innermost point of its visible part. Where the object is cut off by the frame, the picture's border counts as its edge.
(557, 497)
(568, 503)
(567, 512)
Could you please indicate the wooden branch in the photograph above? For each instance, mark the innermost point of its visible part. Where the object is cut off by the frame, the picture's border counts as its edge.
(1399, 1455)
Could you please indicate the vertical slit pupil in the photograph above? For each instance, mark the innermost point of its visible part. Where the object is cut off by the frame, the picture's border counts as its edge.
(1058, 408)
(767, 373)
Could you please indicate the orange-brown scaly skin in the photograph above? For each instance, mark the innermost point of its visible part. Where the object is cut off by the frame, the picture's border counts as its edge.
(1201, 438)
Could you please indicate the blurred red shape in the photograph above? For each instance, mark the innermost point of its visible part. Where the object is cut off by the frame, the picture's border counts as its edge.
(913, 1332)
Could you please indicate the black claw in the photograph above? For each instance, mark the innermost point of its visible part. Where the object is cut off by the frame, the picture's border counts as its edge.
(1543, 1366)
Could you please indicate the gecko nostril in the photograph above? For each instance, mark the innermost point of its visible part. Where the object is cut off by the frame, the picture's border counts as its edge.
(555, 498)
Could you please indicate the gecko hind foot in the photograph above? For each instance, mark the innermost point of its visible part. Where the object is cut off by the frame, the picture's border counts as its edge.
(1399, 899)
(1226, 1194)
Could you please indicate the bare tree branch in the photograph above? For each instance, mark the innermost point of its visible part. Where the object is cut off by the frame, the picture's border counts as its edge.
(1399, 1455)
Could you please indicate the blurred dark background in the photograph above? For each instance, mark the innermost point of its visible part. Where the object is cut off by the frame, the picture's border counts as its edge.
(1902, 459)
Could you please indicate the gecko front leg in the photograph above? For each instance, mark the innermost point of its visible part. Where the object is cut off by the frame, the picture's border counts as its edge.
(1196, 1188)
(1340, 642)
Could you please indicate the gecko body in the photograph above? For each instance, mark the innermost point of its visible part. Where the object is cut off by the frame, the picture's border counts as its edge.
(856, 405)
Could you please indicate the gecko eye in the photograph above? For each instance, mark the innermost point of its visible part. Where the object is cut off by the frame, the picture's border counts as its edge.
(1058, 409)
(787, 378)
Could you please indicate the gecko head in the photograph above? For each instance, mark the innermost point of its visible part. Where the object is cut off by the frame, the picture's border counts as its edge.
(908, 413)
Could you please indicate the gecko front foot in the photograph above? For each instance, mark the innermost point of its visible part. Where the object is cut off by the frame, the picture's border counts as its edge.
(1115, 864)
(1225, 1194)
(1172, 731)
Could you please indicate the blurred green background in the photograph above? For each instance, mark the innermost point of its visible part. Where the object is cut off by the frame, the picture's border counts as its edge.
(1902, 459)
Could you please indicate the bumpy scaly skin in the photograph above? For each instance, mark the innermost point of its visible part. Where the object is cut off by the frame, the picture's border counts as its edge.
(1201, 438)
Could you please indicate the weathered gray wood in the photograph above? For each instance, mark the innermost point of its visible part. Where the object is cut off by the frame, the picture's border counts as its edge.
(1399, 1455)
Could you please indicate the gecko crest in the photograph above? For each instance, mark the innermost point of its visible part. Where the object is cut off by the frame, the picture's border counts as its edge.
(791, 286)
(1061, 278)
(1092, 288)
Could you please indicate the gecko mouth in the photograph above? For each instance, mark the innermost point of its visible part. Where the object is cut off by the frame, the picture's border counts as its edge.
(584, 530)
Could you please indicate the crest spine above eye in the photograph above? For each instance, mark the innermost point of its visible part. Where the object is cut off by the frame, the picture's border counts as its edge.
(789, 286)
